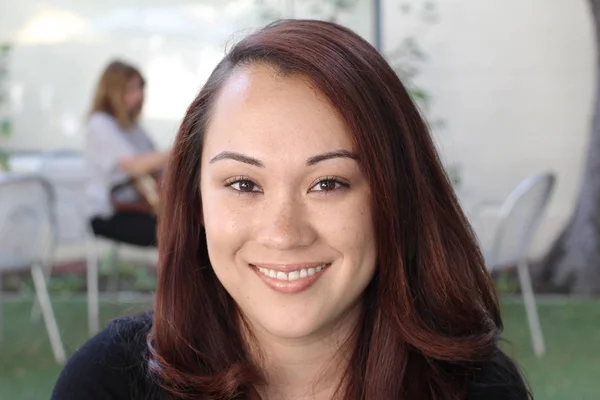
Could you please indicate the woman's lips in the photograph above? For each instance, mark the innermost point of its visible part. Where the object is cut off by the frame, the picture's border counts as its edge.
(290, 278)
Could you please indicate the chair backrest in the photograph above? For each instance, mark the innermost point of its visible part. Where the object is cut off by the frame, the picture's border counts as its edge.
(519, 219)
(65, 171)
(26, 221)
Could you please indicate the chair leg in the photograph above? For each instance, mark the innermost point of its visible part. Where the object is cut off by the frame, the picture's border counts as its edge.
(533, 319)
(113, 278)
(92, 287)
(49, 319)
(35, 313)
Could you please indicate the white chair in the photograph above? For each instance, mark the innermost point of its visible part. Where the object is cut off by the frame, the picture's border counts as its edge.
(26, 240)
(65, 171)
(518, 220)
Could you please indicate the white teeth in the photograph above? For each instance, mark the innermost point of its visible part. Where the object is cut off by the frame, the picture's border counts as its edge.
(293, 275)
(282, 276)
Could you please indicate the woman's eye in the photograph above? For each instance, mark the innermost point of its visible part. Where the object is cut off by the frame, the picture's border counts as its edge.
(244, 185)
(328, 185)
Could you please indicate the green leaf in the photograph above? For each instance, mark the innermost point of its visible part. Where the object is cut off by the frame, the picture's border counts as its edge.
(419, 94)
(5, 128)
(4, 165)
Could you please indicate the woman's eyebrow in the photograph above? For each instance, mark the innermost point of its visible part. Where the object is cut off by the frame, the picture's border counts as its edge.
(231, 155)
(331, 154)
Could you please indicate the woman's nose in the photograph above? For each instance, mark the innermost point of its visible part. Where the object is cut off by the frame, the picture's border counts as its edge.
(285, 224)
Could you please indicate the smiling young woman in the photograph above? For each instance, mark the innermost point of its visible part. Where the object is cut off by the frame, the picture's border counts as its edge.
(311, 246)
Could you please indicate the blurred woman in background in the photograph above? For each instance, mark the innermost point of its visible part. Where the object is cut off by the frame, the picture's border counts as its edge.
(117, 152)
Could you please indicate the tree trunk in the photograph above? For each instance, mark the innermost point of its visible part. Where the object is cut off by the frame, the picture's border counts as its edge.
(573, 262)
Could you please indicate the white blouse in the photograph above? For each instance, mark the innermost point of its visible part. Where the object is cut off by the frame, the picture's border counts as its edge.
(106, 144)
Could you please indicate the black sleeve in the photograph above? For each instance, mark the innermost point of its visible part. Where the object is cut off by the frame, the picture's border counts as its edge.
(499, 379)
(108, 366)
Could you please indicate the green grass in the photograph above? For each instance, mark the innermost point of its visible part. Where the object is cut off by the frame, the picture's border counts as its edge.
(27, 367)
(570, 370)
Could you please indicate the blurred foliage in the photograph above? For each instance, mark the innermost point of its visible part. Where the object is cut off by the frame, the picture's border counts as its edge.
(454, 172)
(66, 283)
(132, 276)
(406, 57)
(506, 282)
(5, 123)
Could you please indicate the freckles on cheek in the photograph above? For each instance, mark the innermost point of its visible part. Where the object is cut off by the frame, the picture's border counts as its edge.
(355, 224)
(225, 224)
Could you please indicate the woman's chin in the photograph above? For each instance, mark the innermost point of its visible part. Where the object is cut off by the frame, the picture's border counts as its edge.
(301, 321)
(286, 327)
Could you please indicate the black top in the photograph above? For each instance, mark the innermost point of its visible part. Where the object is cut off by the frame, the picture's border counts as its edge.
(112, 365)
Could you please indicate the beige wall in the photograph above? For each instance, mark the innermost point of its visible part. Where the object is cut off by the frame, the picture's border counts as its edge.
(513, 79)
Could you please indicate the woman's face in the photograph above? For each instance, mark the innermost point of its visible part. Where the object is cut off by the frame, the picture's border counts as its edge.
(134, 95)
(286, 207)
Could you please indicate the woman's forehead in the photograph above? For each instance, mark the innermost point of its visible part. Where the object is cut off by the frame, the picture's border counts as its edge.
(259, 108)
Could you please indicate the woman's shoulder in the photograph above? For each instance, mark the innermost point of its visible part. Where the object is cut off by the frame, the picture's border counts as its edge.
(101, 118)
(112, 364)
(498, 379)
(101, 125)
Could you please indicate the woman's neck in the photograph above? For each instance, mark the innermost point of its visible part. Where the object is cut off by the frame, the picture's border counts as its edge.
(307, 368)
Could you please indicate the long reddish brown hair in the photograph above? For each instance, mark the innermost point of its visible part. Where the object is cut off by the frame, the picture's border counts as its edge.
(430, 310)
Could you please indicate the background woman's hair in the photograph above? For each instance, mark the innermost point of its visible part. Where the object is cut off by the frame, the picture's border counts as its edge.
(431, 309)
(110, 91)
